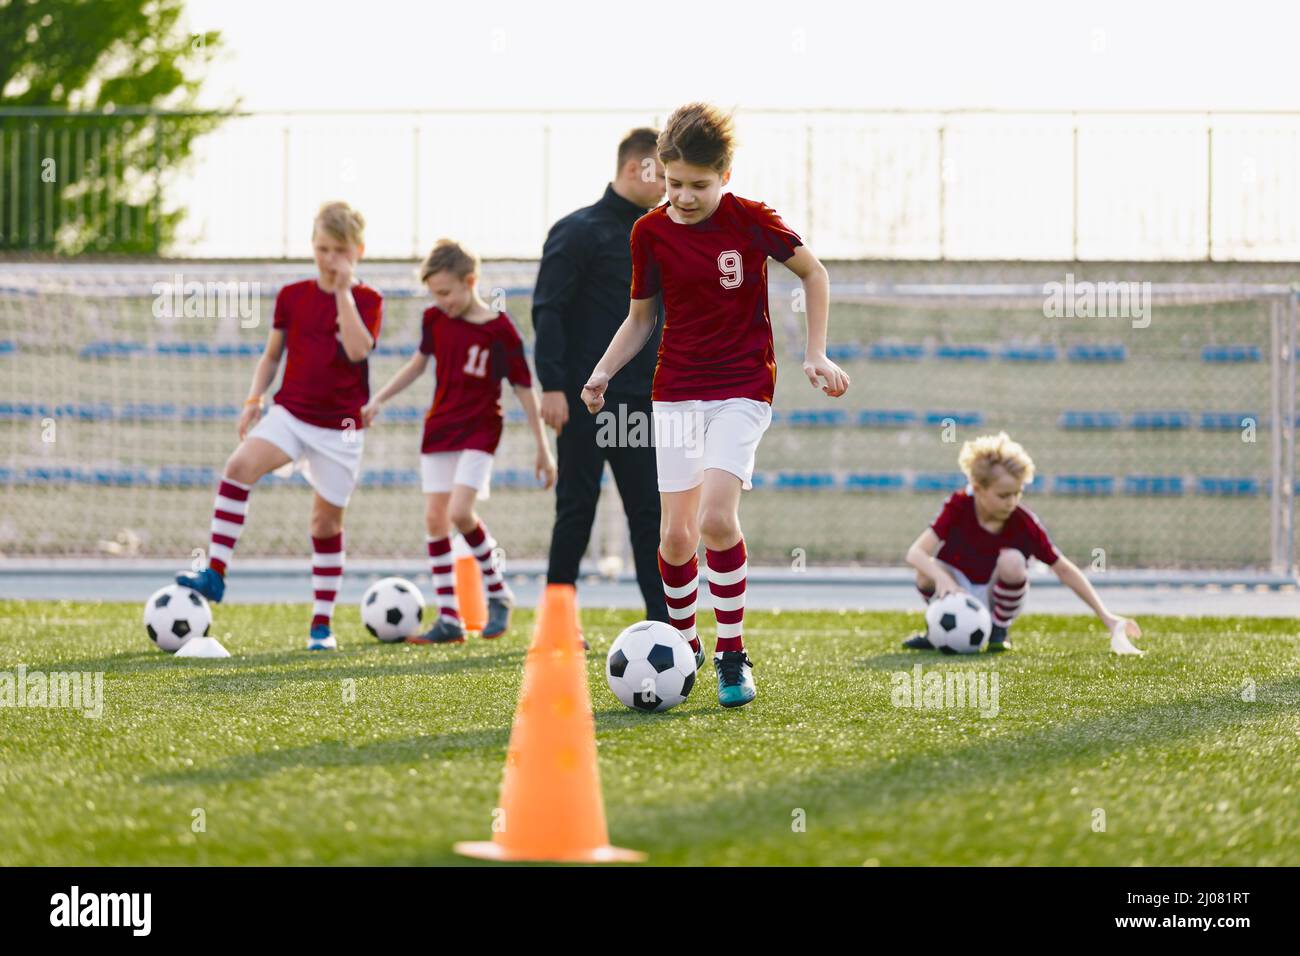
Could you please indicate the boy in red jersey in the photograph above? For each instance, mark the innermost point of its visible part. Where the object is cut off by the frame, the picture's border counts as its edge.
(326, 326)
(473, 348)
(982, 539)
(706, 251)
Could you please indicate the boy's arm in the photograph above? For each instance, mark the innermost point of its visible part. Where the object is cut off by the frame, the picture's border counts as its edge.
(357, 340)
(817, 299)
(263, 376)
(545, 469)
(405, 375)
(921, 556)
(1120, 628)
(631, 336)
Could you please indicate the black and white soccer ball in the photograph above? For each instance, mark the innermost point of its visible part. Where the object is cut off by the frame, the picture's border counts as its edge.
(651, 667)
(392, 609)
(958, 624)
(174, 614)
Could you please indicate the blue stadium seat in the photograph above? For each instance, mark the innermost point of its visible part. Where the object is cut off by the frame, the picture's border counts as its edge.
(240, 350)
(1100, 421)
(1158, 485)
(1029, 353)
(865, 481)
(960, 418)
(147, 412)
(1228, 487)
(1230, 354)
(1097, 353)
(1083, 485)
(404, 351)
(804, 480)
(816, 418)
(845, 352)
(885, 418)
(963, 353)
(210, 412)
(187, 477)
(1225, 421)
(97, 350)
(894, 352)
(1161, 420)
(938, 481)
(8, 347)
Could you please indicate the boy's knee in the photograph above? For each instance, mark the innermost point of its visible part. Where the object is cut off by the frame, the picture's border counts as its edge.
(719, 524)
(1012, 566)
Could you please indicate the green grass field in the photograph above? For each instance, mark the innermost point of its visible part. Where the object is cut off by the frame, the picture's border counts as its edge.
(1186, 770)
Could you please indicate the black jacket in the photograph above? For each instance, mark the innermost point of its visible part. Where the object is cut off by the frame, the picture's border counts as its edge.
(581, 298)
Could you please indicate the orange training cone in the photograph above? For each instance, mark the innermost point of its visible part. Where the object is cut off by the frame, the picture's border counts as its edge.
(551, 808)
(469, 588)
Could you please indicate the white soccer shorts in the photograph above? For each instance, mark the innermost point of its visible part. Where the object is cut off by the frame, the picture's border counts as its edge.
(440, 470)
(329, 458)
(692, 436)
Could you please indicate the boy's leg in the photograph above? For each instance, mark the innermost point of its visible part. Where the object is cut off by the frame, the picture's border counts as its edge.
(437, 475)
(727, 567)
(926, 586)
(473, 480)
(679, 542)
(326, 569)
(250, 461)
(1007, 593)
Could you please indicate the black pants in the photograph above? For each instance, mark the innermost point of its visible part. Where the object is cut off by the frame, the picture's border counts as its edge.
(577, 489)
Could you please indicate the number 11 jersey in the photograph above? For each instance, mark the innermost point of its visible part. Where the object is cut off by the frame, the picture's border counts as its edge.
(717, 338)
(471, 359)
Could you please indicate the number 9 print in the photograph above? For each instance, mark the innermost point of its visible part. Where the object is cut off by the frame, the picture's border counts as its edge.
(732, 267)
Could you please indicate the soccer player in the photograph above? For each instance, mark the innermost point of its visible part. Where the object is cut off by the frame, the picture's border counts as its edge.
(707, 252)
(982, 540)
(327, 327)
(473, 347)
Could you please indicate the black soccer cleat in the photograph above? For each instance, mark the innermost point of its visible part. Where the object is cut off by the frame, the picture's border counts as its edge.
(998, 639)
(444, 631)
(919, 642)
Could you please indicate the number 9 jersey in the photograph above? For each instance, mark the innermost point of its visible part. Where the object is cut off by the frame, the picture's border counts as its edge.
(717, 338)
(471, 359)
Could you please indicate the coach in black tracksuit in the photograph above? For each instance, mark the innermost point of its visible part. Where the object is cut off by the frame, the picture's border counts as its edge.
(581, 298)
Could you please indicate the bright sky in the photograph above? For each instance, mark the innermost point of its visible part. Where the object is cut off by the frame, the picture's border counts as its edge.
(1100, 54)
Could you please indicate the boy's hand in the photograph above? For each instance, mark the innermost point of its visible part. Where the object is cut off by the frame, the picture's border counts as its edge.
(1121, 630)
(545, 467)
(248, 418)
(342, 273)
(368, 413)
(593, 393)
(946, 585)
(817, 364)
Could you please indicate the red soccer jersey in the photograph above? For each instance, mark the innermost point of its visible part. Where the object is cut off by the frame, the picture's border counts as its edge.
(322, 386)
(717, 338)
(471, 359)
(973, 551)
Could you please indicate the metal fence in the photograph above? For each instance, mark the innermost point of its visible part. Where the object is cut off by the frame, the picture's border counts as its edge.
(856, 184)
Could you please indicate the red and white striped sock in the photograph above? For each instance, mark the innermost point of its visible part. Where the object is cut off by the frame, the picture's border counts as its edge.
(1006, 601)
(444, 578)
(482, 544)
(326, 573)
(681, 588)
(727, 570)
(228, 514)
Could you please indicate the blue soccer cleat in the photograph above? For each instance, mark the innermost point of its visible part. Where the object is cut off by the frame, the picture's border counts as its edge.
(735, 680)
(998, 639)
(321, 639)
(207, 582)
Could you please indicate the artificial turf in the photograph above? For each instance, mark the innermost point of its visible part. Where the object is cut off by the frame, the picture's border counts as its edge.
(1186, 756)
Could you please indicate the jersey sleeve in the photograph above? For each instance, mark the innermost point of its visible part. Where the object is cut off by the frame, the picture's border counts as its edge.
(426, 332)
(771, 234)
(281, 320)
(645, 271)
(371, 308)
(1041, 546)
(516, 362)
(943, 522)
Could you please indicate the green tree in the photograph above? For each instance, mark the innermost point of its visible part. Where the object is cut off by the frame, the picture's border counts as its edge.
(97, 114)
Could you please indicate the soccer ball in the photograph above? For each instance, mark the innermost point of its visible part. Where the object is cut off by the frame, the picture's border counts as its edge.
(391, 609)
(651, 666)
(958, 624)
(174, 614)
